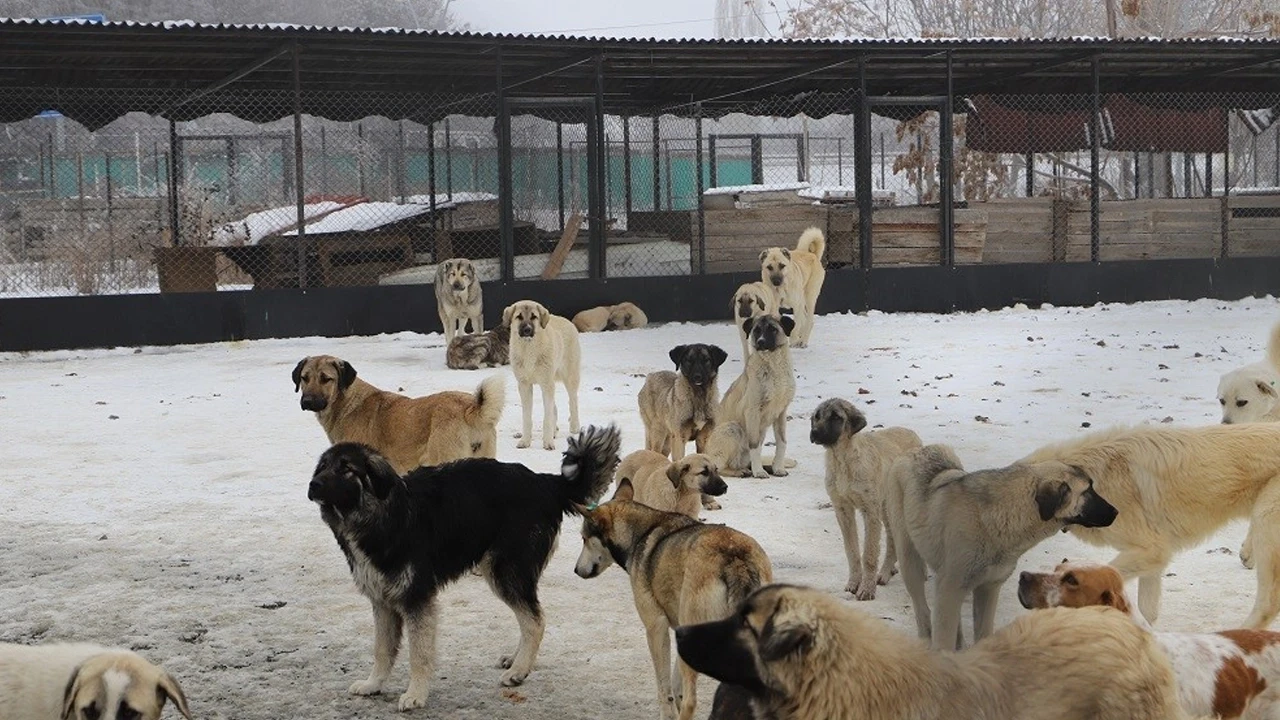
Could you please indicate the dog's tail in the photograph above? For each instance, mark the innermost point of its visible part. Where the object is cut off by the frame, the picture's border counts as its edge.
(926, 464)
(1273, 348)
(491, 397)
(812, 240)
(588, 465)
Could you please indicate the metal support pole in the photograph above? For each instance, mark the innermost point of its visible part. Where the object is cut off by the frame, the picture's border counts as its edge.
(360, 152)
(702, 213)
(596, 250)
(560, 172)
(1208, 174)
(712, 161)
(1095, 148)
(233, 172)
(324, 161)
(506, 213)
(946, 164)
(401, 162)
(757, 160)
(1225, 250)
(448, 159)
(626, 165)
(175, 168)
(1030, 161)
(657, 163)
(297, 166)
(862, 167)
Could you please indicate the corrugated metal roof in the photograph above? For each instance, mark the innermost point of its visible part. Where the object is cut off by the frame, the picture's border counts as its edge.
(95, 72)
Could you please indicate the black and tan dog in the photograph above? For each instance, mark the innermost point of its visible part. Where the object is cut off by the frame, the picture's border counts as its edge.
(757, 400)
(681, 571)
(406, 537)
(409, 432)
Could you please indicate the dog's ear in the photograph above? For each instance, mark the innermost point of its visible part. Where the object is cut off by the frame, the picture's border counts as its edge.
(1266, 388)
(626, 491)
(1050, 496)
(382, 477)
(763, 255)
(787, 324)
(506, 314)
(786, 253)
(167, 686)
(69, 693)
(854, 420)
(297, 374)
(746, 325)
(718, 356)
(1115, 600)
(675, 471)
(544, 316)
(346, 374)
(677, 354)
(785, 638)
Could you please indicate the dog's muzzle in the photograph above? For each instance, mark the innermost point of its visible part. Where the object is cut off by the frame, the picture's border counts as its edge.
(458, 286)
(1097, 512)
(314, 402)
(715, 486)
(698, 380)
(714, 649)
(776, 280)
(1025, 582)
(525, 330)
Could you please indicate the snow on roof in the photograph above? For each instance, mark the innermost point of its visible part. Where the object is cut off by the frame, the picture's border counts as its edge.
(458, 198)
(766, 187)
(256, 226)
(363, 217)
(825, 192)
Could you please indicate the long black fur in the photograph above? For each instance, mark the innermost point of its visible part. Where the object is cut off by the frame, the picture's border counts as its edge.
(440, 522)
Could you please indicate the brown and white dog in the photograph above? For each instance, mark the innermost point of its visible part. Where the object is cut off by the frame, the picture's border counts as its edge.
(1226, 674)
(80, 681)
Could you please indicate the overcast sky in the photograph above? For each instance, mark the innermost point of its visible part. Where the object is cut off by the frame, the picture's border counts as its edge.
(620, 18)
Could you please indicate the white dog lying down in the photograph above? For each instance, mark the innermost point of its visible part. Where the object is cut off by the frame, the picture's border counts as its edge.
(1250, 393)
(1227, 674)
(83, 682)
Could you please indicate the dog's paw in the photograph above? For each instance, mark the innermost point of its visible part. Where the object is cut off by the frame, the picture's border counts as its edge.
(866, 591)
(504, 662)
(851, 587)
(512, 678)
(523, 443)
(365, 687)
(885, 575)
(774, 471)
(548, 444)
(412, 700)
(761, 475)
(710, 505)
(1246, 556)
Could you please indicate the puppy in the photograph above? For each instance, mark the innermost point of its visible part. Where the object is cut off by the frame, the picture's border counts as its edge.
(796, 277)
(544, 350)
(750, 301)
(459, 297)
(681, 571)
(406, 537)
(410, 432)
(803, 654)
(857, 467)
(1227, 674)
(971, 528)
(78, 681)
(472, 352)
(1249, 394)
(671, 486)
(677, 407)
(758, 399)
(626, 316)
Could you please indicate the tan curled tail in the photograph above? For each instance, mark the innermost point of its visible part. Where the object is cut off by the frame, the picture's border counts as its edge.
(812, 240)
(491, 397)
(1273, 348)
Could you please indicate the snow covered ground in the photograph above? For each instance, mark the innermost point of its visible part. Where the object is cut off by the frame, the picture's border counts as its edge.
(156, 497)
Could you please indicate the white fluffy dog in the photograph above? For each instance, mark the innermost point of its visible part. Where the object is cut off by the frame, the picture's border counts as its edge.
(78, 681)
(1249, 394)
(544, 349)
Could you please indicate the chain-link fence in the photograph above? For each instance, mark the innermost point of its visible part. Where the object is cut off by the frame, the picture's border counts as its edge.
(140, 205)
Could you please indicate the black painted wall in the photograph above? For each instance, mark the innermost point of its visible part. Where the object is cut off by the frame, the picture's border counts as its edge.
(181, 318)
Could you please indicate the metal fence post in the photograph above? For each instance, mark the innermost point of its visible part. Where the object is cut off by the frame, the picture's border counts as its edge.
(174, 168)
(560, 171)
(300, 193)
(946, 164)
(702, 212)
(862, 167)
(657, 163)
(1095, 146)
(626, 165)
(597, 224)
(506, 213)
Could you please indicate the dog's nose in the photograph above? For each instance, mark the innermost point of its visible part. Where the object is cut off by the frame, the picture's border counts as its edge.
(1024, 578)
(682, 633)
(775, 280)
(313, 489)
(526, 331)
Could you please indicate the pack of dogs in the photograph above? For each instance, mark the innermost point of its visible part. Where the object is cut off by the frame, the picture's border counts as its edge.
(415, 497)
